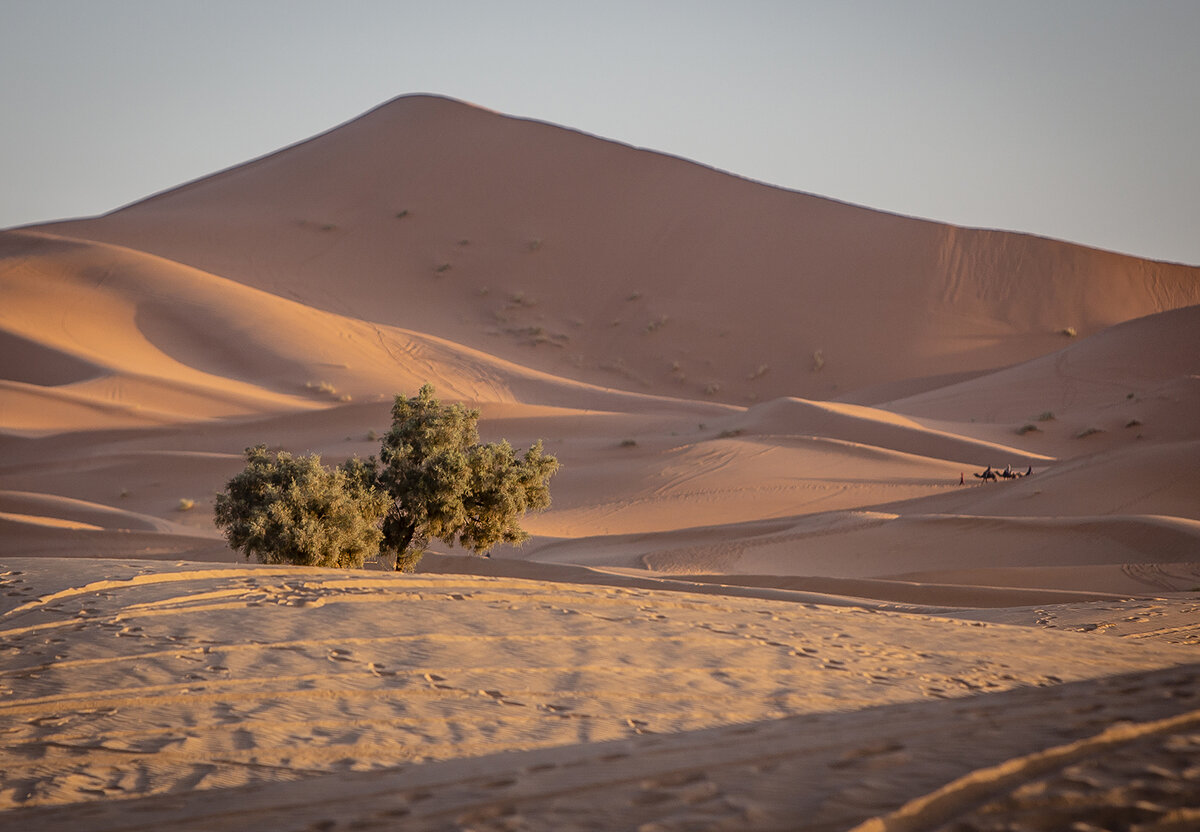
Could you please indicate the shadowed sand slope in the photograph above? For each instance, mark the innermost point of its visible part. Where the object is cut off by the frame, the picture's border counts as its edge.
(598, 261)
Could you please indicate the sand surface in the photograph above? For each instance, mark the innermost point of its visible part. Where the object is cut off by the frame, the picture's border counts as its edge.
(768, 561)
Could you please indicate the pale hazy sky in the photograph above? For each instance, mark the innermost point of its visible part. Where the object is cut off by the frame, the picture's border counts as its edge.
(1075, 119)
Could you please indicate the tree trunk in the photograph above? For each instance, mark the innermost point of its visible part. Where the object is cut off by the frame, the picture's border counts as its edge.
(401, 545)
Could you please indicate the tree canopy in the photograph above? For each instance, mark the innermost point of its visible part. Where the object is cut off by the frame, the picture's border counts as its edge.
(443, 484)
(433, 480)
(285, 509)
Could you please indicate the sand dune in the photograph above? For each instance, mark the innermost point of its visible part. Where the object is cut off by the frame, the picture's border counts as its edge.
(768, 561)
(600, 262)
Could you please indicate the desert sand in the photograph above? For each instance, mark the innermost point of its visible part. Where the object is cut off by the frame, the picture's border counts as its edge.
(761, 599)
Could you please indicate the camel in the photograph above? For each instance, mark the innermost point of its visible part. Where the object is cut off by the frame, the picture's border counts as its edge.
(1008, 474)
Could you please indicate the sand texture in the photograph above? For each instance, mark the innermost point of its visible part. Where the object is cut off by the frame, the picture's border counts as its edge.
(771, 592)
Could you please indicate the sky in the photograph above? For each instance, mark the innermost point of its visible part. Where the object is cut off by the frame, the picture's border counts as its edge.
(1072, 119)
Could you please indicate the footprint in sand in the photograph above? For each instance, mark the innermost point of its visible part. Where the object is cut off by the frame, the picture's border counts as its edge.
(870, 753)
(683, 787)
(500, 698)
(434, 680)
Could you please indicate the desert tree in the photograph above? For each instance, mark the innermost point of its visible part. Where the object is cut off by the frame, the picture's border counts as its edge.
(286, 509)
(443, 484)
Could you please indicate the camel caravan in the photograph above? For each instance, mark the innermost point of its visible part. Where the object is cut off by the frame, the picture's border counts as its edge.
(995, 476)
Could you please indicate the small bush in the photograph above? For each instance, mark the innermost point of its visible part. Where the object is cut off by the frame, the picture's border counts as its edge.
(729, 434)
(185, 504)
(1024, 429)
(1086, 432)
(442, 268)
(1133, 423)
(818, 360)
(402, 214)
(1068, 331)
(759, 372)
(1046, 416)
(657, 323)
(628, 443)
(321, 387)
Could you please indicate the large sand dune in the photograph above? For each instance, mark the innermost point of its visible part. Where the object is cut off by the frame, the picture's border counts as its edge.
(768, 560)
(626, 268)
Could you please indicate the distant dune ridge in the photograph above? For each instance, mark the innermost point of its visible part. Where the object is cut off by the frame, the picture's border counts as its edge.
(769, 407)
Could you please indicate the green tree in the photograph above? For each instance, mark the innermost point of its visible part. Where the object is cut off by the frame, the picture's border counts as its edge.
(285, 509)
(443, 484)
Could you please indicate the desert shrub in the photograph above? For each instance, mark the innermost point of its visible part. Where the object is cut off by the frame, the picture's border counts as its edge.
(321, 387)
(185, 504)
(656, 324)
(286, 509)
(433, 479)
(442, 483)
(1028, 428)
(1046, 416)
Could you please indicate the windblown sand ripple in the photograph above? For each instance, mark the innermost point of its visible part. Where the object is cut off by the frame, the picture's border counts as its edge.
(126, 680)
